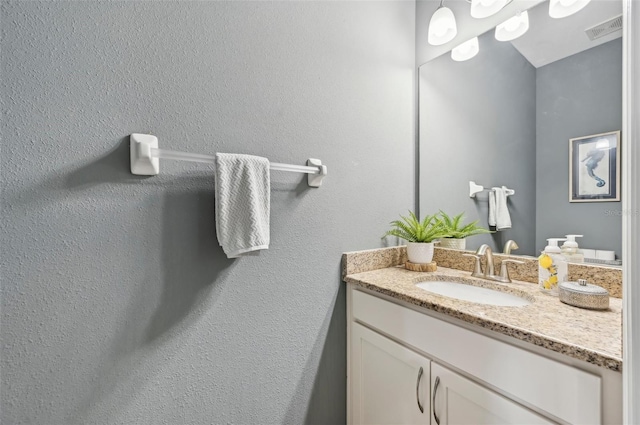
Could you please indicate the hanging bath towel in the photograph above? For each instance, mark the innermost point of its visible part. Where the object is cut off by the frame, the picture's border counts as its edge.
(243, 200)
(499, 217)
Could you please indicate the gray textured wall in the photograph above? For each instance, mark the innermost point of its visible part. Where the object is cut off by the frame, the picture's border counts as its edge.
(477, 122)
(576, 96)
(118, 306)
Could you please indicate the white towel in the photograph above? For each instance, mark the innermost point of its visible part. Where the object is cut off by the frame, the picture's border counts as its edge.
(499, 217)
(492, 210)
(243, 200)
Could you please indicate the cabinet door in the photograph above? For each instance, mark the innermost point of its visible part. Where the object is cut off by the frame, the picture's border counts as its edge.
(389, 383)
(458, 400)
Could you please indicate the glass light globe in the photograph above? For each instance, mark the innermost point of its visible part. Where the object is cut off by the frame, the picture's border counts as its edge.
(466, 50)
(563, 8)
(485, 8)
(513, 27)
(442, 27)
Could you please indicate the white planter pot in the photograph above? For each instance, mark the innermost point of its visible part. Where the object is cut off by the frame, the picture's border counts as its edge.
(420, 252)
(452, 243)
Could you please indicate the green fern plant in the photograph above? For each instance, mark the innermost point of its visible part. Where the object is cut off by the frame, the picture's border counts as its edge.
(412, 229)
(456, 230)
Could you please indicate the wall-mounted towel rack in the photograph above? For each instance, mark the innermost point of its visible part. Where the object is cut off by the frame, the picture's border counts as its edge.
(145, 160)
(476, 188)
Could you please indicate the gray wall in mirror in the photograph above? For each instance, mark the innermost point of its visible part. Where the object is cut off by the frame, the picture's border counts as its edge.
(576, 96)
(497, 120)
(477, 122)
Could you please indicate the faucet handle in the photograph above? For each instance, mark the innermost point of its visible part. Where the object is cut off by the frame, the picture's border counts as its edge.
(504, 271)
(477, 270)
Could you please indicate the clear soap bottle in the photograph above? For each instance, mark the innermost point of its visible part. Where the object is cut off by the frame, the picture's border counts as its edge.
(552, 267)
(570, 250)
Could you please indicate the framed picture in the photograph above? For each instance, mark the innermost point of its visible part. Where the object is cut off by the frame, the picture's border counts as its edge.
(594, 168)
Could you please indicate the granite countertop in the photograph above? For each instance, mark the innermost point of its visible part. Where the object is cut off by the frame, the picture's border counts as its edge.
(592, 336)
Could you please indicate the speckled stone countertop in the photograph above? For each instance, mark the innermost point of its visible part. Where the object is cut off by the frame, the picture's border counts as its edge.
(592, 336)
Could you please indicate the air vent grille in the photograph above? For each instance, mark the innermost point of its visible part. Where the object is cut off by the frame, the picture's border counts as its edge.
(612, 25)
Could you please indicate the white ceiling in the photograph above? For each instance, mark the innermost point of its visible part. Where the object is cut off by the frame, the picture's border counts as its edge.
(549, 39)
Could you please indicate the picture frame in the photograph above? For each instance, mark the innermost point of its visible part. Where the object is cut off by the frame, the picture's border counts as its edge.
(594, 168)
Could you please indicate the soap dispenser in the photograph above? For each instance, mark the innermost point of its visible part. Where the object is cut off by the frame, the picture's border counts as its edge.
(570, 250)
(552, 267)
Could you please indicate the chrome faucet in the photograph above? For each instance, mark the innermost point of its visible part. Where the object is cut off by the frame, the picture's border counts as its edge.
(485, 251)
(510, 245)
(489, 270)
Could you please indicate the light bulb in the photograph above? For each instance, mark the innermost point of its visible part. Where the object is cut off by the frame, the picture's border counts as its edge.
(466, 50)
(513, 28)
(442, 27)
(485, 8)
(563, 8)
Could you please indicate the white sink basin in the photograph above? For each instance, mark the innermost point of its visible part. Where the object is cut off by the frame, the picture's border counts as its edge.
(475, 294)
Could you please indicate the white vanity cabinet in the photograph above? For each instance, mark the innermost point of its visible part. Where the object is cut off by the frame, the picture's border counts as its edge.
(392, 384)
(397, 352)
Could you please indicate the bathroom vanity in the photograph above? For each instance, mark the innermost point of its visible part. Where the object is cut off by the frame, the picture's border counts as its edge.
(418, 357)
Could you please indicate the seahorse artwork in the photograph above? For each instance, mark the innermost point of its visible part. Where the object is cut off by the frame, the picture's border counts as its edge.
(593, 158)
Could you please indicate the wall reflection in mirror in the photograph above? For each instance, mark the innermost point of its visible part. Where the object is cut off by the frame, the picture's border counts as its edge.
(504, 117)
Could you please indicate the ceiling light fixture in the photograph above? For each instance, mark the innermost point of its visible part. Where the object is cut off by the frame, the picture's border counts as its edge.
(564, 8)
(513, 28)
(485, 8)
(466, 50)
(442, 26)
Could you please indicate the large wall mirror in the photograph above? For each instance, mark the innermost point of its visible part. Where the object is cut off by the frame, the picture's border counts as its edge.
(506, 116)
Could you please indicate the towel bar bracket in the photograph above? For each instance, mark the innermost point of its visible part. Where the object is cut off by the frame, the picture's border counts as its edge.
(142, 163)
(315, 180)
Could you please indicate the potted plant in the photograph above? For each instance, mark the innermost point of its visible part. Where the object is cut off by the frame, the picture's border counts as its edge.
(457, 232)
(419, 235)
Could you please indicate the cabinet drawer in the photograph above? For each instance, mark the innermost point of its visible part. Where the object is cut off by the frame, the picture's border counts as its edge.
(563, 391)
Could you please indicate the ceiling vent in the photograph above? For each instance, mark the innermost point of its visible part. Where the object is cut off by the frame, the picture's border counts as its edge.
(610, 26)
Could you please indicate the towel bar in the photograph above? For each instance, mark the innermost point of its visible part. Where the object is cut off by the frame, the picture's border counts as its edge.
(145, 160)
(476, 188)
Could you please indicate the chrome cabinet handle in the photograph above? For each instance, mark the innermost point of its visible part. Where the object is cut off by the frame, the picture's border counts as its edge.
(433, 399)
(420, 406)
